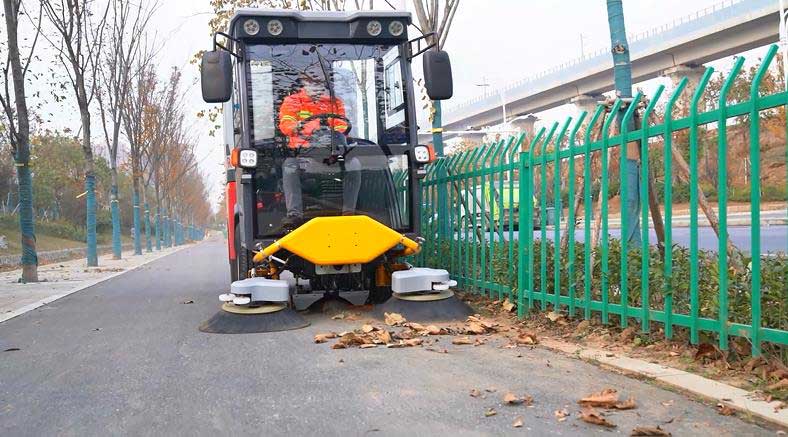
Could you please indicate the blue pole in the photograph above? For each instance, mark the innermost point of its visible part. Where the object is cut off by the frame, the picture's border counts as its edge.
(157, 226)
(115, 211)
(148, 247)
(90, 205)
(137, 223)
(622, 75)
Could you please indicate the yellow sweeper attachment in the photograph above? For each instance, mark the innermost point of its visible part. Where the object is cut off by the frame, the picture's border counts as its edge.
(355, 239)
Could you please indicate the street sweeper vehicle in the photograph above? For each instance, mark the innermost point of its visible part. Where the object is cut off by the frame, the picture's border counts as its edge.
(323, 190)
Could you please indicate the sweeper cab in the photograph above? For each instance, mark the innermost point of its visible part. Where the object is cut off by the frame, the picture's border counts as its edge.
(324, 169)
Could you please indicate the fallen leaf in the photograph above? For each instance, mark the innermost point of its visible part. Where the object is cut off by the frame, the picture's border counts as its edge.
(367, 329)
(323, 337)
(490, 390)
(351, 339)
(413, 342)
(393, 319)
(490, 412)
(338, 346)
(518, 422)
(625, 405)
(434, 330)
(725, 410)
(590, 415)
(12, 349)
(780, 385)
(186, 302)
(628, 334)
(667, 403)
(384, 336)
(527, 338)
(556, 317)
(368, 346)
(654, 431)
(339, 316)
(415, 326)
(707, 350)
(606, 398)
(475, 393)
(561, 415)
(507, 306)
(475, 328)
(511, 399)
(462, 340)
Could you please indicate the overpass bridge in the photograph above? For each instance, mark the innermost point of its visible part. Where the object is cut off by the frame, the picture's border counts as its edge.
(676, 49)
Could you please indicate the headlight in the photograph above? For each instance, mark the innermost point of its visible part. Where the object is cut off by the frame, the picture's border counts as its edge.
(247, 158)
(374, 28)
(251, 27)
(275, 27)
(396, 28)
(421, 154)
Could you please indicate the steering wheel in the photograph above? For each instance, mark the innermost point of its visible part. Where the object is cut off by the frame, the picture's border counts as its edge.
(323, 122)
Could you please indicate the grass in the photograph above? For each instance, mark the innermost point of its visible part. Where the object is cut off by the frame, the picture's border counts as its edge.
(44, 241)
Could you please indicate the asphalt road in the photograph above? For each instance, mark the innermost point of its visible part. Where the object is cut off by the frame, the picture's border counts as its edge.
(774, 238)
(125, 358)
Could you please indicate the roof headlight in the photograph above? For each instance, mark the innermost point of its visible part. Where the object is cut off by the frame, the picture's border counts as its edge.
(396, 28)
(422, 154)
(247, 158)
(275, 27)
(251, 27)
(374, 28)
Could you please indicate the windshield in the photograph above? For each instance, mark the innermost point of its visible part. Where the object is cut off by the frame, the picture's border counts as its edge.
(330, 124)
(362, 81)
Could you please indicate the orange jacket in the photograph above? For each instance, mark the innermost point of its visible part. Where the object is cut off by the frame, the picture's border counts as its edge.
(299, 106)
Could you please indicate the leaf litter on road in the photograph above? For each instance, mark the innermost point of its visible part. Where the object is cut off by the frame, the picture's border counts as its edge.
(651, 431)
(590, 415)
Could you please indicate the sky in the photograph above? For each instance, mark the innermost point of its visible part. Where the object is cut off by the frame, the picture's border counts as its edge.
(491, 41)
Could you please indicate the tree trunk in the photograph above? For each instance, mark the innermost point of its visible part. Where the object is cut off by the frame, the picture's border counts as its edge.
(157, 224)
(89, 167)
(146, 219)
(115, 211)
(21, 142)
(135, 196)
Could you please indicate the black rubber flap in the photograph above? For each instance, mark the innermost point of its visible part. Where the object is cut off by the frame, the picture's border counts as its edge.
(224, 322)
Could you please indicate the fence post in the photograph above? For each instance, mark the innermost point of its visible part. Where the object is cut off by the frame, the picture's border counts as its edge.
(668, 162)
(693, 167)
(755, 201)
(588, 213)
(603, 191)
(722, 199)
(624, 166)
(644, 223)
(570, 219)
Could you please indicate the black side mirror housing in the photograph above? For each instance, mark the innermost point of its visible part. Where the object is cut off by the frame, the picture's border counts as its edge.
(216, 76)
(437, 75)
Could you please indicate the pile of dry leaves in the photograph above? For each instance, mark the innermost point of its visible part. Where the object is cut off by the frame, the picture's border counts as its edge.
(398, 332)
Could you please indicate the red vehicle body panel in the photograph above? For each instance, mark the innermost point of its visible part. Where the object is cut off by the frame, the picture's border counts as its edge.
(230, 198)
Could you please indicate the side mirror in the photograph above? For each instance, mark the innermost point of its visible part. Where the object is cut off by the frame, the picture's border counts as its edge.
(216, 76)
(437, 75)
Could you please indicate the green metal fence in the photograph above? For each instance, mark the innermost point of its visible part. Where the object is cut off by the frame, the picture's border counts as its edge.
(508, 204)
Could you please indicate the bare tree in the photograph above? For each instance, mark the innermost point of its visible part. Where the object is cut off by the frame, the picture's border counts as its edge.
(18, 125)
(80, 36)
(126, 30)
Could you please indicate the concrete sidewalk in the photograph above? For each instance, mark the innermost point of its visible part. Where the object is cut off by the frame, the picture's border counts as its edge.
(60, 279)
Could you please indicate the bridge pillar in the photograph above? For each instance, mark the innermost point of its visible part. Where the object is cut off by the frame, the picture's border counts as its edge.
(693, 73)
(525, 125)
(586, 102)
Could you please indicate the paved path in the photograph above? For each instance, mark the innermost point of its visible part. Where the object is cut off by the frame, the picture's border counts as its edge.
(125, 358)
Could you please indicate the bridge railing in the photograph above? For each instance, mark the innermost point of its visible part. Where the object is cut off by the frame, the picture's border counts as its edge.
(538, 220)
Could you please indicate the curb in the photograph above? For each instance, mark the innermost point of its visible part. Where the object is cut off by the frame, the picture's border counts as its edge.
(88, 284)
(736, 398)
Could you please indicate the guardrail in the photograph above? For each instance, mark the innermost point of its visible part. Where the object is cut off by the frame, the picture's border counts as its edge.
(481, 206)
